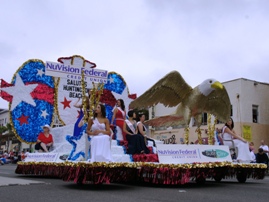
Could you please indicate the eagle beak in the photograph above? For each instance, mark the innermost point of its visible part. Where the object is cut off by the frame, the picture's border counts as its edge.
(217, 85)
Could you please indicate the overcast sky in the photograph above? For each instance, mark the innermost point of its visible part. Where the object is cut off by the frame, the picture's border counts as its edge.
(142, 40)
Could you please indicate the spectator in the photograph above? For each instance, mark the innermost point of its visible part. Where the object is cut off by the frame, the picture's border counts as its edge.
(5, 155)
(252, 151)
(3, 160)
(11, 156)
(264, 147)
(261, 157)
(22, 156)
(27, 152)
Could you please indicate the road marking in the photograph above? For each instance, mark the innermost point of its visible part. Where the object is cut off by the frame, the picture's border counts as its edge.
(8, 181)
(4, 172)
(181, 191)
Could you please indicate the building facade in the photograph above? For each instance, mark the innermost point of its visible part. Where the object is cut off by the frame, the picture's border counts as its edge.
(4, 117)
(4, 120)
(249, 110)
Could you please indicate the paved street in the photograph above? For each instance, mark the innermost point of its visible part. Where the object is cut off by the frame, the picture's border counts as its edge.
(32, 189)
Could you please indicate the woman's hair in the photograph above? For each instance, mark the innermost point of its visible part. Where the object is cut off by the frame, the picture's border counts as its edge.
(139, 116)
(103, 111)
(130, 113)
(232, 125)
(122, 105)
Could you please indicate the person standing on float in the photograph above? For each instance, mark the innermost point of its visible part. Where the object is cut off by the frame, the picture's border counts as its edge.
(80, 121)
(119, 115)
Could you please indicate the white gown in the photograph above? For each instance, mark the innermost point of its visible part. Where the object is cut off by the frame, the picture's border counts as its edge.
(243, 148)
(100, 144)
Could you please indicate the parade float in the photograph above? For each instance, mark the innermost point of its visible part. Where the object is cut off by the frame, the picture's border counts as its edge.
(45, 93)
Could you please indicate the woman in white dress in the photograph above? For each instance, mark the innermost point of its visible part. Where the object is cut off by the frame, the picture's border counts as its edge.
(239, 142)
(99, 130)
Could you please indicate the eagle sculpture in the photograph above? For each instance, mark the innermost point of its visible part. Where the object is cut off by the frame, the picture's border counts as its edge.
(172, 90)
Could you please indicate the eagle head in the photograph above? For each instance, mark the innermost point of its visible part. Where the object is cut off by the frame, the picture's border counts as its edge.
(207, 86)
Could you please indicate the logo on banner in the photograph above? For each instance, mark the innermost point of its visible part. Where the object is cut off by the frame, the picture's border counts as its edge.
(217, 153)
(74, 73)
(178, 153)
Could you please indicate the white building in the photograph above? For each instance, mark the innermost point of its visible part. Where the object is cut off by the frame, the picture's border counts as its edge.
(250, 112)
(4, 117)
(250, 108)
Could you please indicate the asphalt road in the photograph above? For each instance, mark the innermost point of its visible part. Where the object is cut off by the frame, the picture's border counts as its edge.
(22, 188)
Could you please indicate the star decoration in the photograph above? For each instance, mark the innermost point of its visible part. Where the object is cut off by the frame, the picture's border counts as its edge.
(20, 92)
(40, 72)
(111, 80)
(124, 96)
(44, 114)
(23, 119)
(78, 143)
(66, 103)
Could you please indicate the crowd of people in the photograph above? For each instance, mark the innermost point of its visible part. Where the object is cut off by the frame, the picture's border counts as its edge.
(133, 131)
(12, 156)
(262, 155)
(99, 129)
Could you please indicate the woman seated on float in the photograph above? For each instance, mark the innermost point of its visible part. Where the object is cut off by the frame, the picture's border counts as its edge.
(136, 143)
(142, 130)
(240, 143)
(99, 130)
(44, 140)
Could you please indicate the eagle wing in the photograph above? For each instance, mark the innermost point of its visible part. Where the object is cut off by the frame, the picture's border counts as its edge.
(170, 91)
(168, 120)
(218, 103)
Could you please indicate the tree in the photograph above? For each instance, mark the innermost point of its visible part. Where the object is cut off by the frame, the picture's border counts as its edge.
(3, 129)
(10, 134)
(2, 138)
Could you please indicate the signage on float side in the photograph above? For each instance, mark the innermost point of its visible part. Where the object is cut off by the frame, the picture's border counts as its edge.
(41, 157)
(72, 72)
(47, 157)
(178, 153)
